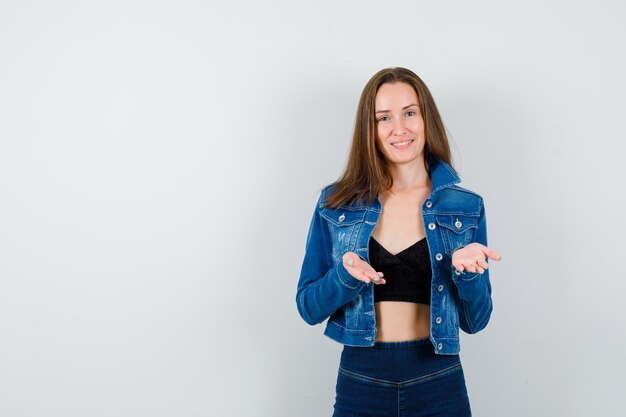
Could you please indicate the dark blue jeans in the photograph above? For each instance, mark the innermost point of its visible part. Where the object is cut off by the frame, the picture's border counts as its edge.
(400, 379)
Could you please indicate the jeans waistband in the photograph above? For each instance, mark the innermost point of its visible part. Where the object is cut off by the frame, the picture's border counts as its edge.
(396, 361)
(424, 342)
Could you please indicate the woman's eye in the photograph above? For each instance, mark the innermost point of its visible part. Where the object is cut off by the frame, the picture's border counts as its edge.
(410, 113)
(383, 119)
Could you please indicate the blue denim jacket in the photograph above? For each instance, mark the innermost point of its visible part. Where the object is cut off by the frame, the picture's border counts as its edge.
(453, 218)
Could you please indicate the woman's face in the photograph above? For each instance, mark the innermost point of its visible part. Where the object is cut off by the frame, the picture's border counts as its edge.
(399, 123)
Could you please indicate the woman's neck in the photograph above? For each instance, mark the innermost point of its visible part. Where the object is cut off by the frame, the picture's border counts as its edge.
(409, 176)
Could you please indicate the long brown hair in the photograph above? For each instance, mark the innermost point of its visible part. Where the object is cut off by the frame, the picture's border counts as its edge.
(366, 173)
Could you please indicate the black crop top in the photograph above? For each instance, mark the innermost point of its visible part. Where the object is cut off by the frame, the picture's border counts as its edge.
(407, 274)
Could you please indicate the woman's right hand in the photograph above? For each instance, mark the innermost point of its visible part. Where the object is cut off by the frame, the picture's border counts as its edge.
(361, 270)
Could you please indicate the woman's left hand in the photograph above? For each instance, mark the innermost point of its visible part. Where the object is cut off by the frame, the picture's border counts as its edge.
(473, 258)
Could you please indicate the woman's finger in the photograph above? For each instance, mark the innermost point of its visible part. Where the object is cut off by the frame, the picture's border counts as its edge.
(376, 277)
(483, 263)
(493, 255)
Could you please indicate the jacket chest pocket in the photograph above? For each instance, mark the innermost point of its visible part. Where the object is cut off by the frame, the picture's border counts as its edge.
(344, 227)
(456, 230)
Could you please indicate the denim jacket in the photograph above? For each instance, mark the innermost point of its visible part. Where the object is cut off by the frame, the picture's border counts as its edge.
(453, 217)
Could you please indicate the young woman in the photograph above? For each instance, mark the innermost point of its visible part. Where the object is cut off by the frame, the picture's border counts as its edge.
(396, 259)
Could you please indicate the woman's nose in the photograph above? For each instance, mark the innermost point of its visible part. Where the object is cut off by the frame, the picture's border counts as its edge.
(399, 128)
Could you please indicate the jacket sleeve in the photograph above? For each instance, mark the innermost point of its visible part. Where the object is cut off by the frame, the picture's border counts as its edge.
(474, 288)
(324, 285)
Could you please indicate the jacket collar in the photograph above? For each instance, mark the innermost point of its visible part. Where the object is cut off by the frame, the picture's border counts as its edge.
(441, 175)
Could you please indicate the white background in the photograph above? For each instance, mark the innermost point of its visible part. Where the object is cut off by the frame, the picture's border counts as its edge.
(160, 162)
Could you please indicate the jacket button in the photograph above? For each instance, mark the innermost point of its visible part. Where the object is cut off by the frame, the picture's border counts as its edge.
(439, 346)
(438, 321)
(438, 256)
(429, 204)
(342, 217)
(457, 272)
(431, 226)
(458, 224)
(440, 288)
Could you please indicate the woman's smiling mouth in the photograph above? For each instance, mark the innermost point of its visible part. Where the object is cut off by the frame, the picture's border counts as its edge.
(402, 145)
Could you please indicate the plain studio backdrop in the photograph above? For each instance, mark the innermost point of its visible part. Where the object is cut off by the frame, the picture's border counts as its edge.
(160, 163)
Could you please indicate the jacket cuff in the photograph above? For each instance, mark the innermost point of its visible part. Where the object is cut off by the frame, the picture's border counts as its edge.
(464, 276)
(471, 285)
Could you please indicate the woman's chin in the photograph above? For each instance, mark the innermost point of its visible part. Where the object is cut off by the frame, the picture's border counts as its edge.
(405, 159)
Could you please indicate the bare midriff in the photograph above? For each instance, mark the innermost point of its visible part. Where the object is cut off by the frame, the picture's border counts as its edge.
(397, 321)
